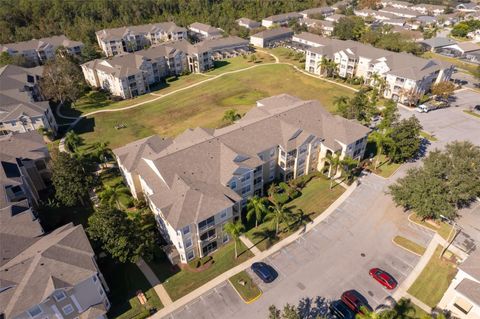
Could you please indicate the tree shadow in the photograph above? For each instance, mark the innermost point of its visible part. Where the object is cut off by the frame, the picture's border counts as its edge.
(220, 64)
(86, 125)
(312, 308)
(268, 235)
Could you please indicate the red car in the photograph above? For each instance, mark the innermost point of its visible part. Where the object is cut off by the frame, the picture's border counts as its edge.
(383, 277)
(356, 302)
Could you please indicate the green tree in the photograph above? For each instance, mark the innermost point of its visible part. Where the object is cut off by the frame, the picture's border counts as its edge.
(328, 67)
(72, 140)
(234, 230)
(389, 115)
(444, 89)
(476, 73)
(256, 208)
(341, 102)
(335, 162)
(117, 196)
(62, 79)
(231, 116)
(279, 213)
(381, 140)
(89, 52)
(71, 183)
(124, 239)
(6, 58)
(348, 166)
(101, 151)
(356, 108)
(406, 140)
(349, 28)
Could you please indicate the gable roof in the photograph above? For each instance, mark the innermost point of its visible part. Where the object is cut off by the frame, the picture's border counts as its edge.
(438, 42)
(117, 34)
(470, 289)
(472, 265)
(273, 33)
(41, 44)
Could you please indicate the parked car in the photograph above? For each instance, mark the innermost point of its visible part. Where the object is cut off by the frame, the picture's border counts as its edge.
(356, 302)
(477, 108)
(340, 310)
(383, 277)
(266, 272)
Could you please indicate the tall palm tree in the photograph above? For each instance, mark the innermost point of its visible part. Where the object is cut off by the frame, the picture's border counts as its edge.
(381, 140)
(234, 230)
(348, 165)
(256, 208)
(279, 213)
(328, 67)
(335, 162)
(101, 151)
(378, 82)
(72, 140)
(113, 196)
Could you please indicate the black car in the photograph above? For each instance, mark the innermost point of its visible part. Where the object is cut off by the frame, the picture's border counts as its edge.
(477, 107)
(264, 271)
(341, 311)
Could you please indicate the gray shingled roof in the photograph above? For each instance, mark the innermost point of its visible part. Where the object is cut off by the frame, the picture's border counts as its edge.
(472, 265)
(470, 289)
(197, 165)
(116, 34)
(438, 42)
(283, 17)
(272, 33)
(206, 28)
(251, 23)
(34, 44)
(60, 259)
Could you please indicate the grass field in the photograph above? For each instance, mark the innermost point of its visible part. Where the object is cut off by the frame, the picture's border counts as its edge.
(315, 198)
(249, 290)
(204, 105)
(433, 280)
(472, 113)
(409, 245)
(180, 282)
(384, 169)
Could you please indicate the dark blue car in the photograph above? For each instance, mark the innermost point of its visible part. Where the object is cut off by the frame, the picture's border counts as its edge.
(341, 311)
(264, 271)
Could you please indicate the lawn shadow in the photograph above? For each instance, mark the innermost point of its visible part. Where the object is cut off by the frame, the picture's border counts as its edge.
(220, 64)
(86, 125)
(267, 236)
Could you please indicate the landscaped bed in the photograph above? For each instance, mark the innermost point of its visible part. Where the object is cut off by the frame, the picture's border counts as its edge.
(409, 245)
(434, 280)
(245, 286)
(180, 282)
(442, 228)
(315, 197)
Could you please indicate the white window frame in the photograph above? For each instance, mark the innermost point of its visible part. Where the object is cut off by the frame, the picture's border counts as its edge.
(35, 308)
(188, 241)
(67, 307)
(61, 298)
(188, 253)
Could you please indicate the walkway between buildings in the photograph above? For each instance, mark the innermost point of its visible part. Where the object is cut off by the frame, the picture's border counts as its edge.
(153, 280)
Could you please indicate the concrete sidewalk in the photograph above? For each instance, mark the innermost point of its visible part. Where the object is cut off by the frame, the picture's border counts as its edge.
(247, 242)
(156, 284)
(258, 257)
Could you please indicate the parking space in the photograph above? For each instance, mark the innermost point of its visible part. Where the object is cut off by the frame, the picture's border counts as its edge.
(333, 257)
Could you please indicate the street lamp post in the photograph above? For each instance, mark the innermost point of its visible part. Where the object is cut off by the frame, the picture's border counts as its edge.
(449, 242)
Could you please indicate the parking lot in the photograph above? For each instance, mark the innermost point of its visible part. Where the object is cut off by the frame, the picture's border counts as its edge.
(335, 256)
(451, 123)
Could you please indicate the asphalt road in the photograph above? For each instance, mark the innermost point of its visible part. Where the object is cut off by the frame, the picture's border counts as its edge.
(335, 256)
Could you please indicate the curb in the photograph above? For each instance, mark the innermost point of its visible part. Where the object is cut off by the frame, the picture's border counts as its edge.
(410, 251)
(425, 227)
(241, 297)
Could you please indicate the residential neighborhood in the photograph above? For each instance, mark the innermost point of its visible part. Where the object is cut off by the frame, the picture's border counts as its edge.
(248, 159)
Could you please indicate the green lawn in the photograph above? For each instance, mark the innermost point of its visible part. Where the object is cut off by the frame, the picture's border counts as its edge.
(180, 282)
(248, 290)
(443, 229)
(384, 169)
(409, 245)
(124, 281)
(428, 136)
(471, 113)
(469, 67)
(433, 280)
(315, 198)
(205, 104)
(239, 62)
(288, 56)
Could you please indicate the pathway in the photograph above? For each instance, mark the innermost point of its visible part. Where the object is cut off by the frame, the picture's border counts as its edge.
(258, 257)
(251, 246)
(161, 96)
(156, 284)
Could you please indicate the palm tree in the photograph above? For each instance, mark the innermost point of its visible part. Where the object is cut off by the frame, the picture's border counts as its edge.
(328, 67)
(379, 82)
(72, 140)
(340, 101)
(231, 116)
(256, 207)
(302, 218)
(348, 165)
(335, 161)
(279, 213)
(113, 195)
(381, 140)
(234, 230)
(101, 151)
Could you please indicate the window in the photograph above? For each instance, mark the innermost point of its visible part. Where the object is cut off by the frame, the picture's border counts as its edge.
(247, 177)
(233, 184)
(95, 278)
(100, 290)
(190, 255)
(206, 223)
(59, 295)
(272, 152)
(223, 215)
(246, 189)
(186, 230)
(225, 238)
(35, 311)
(68, 309)
(188, 243)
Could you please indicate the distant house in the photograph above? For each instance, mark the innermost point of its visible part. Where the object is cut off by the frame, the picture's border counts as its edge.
(436, 44)
(203, 31)
(22, 106)
(133, 38)
(272, 37)
(42, 275)
(323, 25)
(320, 11)
(427, 9)
(401, 12)
(426, 21)
(334, 17)
(226, 47)
(248, 23)
(465, 50)
(462, 297)
(39, 51)
(468, 7)
(281, 19)
(396, 4)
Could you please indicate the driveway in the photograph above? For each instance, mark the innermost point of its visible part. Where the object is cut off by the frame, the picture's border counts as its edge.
(451, 124)
(333, 257)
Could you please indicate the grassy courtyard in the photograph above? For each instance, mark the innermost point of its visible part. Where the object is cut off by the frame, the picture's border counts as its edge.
(316, 197)
(205, 104)
(245, 286)
(433, 280)
(179, 282)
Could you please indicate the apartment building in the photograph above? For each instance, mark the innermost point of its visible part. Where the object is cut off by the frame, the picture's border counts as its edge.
(22, 107)
(132, 74)
(41, 275)
(334, 17)
(226, 47)
(204, 177)
(133, 38)
(272, 37)
(320, 11)
(202, 31)
(429, 9)
(248, 23)
(462, 297)
(401, 12)
(39, 51)
(281, 19)
(406, 75)
(396, 4)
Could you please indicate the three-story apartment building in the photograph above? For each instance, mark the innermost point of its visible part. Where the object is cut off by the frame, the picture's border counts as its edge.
(22, 107)
(203, 178)
(405, 74)
(133, 38)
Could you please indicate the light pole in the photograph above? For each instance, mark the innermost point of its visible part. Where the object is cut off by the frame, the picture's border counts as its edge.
(454, 224)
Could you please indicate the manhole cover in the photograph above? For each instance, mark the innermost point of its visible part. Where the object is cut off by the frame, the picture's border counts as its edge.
(301, 286)
(370, 293)
(362, 254)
